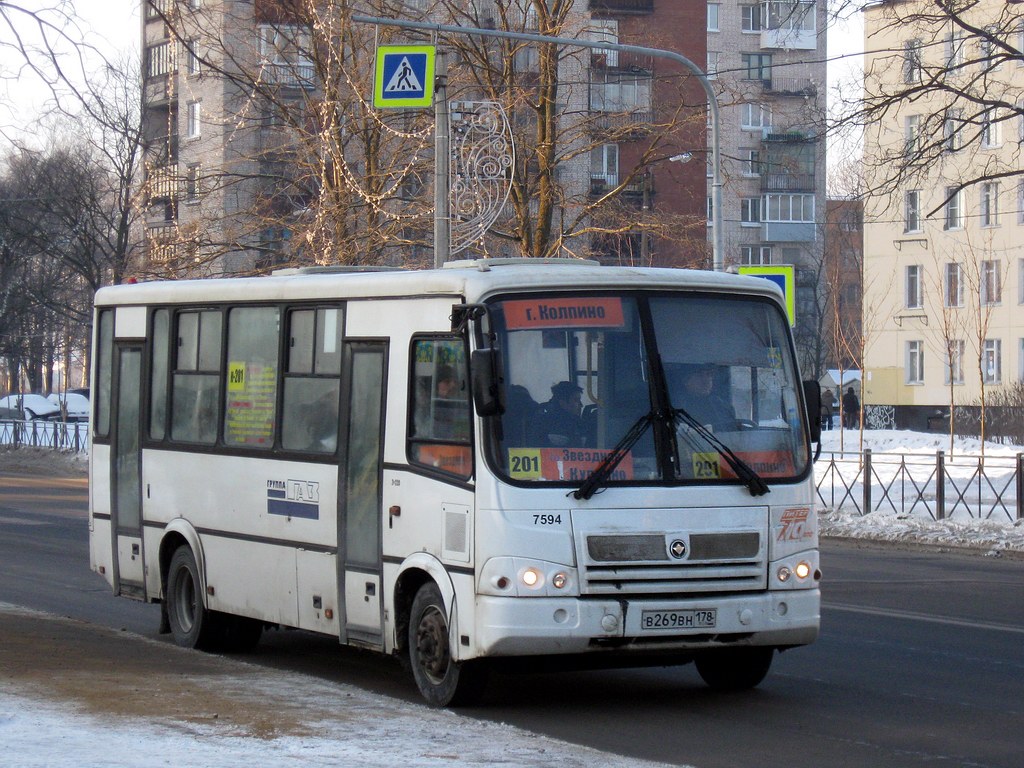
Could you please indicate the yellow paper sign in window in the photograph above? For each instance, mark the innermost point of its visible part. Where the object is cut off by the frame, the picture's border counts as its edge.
(705, 466)
(524, 463)
(236, 377)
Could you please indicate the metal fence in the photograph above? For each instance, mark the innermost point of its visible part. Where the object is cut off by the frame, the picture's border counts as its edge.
(935, 485)
(55, 435)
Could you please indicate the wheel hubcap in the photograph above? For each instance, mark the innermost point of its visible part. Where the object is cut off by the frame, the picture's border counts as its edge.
(432, 644)
(185, 600)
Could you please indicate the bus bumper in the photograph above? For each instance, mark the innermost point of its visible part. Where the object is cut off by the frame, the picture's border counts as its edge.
(542, 626)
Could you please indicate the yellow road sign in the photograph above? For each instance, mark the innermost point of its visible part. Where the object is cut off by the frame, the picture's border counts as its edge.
(783, 276)
(404, 77)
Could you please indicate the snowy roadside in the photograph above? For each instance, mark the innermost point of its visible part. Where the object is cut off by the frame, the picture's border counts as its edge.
(75, 694)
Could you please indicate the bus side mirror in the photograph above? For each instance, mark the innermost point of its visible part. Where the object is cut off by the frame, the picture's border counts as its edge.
(812, 397)
(487, 383)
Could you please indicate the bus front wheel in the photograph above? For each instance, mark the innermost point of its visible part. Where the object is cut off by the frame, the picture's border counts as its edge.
(734, 669)
(192, 625)
(442, 681)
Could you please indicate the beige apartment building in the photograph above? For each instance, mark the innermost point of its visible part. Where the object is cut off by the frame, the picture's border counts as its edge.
(768, 63)
(943, 262)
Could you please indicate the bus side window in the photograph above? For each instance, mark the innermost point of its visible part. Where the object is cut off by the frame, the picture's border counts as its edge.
(195, 383)
(309, 418)
(439, 426)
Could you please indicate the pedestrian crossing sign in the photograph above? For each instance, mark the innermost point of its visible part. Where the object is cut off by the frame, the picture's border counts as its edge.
(783, 275)
(404, 76)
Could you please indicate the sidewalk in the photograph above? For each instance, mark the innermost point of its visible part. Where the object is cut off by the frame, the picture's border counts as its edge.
(75, 694)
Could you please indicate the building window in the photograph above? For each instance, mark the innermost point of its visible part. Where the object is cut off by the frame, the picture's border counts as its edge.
(712, 69)
(955, 361)
(912, 135)
(193, 118)
(954, 49)
(991, 128)
(751, 16)
(915, 362)
(952, 127)
(713, 16)
(750, 211)
(992, 361)
(604, 167)
(756, 66)
(912, 61)
(1020, 201)
(915, 289)
(789, 208)
(912, 211)
(755, 116)
(990, 56)
(991, 283)
(790, 15)
(755, 254)
(192, 183)
(954, 285)
(614, 92)
(604, 31)
(192, 65)
(750, 160)
(990, 204)
(954, 213)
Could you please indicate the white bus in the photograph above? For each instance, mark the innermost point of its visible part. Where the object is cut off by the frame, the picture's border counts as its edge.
(505, 459)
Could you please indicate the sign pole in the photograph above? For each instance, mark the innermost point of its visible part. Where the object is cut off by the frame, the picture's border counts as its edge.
(442, 161)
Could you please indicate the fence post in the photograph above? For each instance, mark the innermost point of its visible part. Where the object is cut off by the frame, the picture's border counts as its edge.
(940, 485)
(867, 481)
(1020, 486)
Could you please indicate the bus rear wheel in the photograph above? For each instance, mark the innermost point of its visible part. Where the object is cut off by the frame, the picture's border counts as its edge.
(442, 681)
(734, 669)
(192, 625)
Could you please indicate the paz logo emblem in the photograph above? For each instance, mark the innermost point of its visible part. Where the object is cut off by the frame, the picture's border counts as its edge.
(677, 549)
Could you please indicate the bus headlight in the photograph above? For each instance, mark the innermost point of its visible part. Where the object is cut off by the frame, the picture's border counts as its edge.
(522, 577)
(796, 572)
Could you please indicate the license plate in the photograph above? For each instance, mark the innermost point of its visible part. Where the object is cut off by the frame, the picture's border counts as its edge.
(695, 618)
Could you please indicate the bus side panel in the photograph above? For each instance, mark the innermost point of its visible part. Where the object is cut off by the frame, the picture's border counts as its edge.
(268, 529)
(100, 539)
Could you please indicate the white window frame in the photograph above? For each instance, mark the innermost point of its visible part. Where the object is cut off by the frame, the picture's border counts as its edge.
(954, 211)
(992, 129)
(788, 208)
(750, 211)
(914, 362)
(952, 130)
(912, 64)
(912, 211)
(954, 284)
(955, 352)
(914, 283)
(194, 119)
(991, 287)
(755, 254)
(714, 17)
(604, 164)
(911, 134)
(992, 361)
(755, 110)
(751, 18)
(751, 160)
(604, 31)
(954, 48)
(989, 194)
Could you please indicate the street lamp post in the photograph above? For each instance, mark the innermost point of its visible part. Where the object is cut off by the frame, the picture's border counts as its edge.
(717, 236)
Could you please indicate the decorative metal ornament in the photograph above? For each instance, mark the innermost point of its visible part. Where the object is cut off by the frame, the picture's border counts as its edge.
(482, 157)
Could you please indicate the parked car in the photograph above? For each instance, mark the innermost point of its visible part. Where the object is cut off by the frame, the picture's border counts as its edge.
(28, 407)
(77, 405)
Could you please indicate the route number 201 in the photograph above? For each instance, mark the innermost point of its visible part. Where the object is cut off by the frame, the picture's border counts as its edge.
(547, 519)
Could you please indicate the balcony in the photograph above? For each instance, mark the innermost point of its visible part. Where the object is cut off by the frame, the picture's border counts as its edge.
(163, 182)
(289, 75)
(620, 61)
(622, 6)
(791, 86)
(787, 182)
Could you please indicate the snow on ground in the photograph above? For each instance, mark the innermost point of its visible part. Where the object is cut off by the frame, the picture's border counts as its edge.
(980, 506)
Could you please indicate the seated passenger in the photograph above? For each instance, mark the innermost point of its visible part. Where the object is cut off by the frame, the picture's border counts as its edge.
(701, 399)
(560, 423)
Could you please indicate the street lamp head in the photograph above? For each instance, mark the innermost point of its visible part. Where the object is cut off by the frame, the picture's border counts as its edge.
(682, 157)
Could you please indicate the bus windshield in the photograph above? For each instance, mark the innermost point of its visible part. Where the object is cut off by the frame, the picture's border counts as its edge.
(682, 378)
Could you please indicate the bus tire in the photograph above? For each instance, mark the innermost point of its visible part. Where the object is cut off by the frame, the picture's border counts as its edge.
(192, 625)
(442, 681)
(735, 669)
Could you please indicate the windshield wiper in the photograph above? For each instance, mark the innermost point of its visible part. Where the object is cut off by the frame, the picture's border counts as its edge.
(754, 482)
(608, 464)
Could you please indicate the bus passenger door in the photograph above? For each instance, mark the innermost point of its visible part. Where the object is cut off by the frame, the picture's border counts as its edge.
(126, 482)
(360, 523)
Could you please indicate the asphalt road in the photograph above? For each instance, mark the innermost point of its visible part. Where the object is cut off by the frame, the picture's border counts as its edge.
(920, 661)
